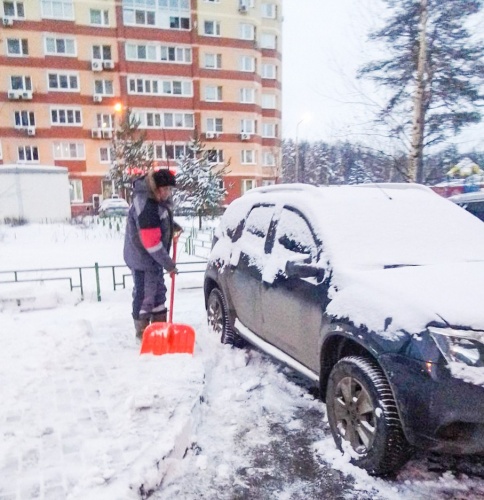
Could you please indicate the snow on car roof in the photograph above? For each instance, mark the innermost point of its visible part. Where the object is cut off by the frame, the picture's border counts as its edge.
(378, 225)
(114, 202)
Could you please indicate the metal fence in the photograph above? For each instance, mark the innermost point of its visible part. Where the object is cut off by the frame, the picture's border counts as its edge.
(76, 277)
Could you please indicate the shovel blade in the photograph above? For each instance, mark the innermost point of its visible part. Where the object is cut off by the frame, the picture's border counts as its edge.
(168, 338)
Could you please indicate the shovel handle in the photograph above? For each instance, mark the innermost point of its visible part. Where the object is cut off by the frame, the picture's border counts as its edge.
(172, 291)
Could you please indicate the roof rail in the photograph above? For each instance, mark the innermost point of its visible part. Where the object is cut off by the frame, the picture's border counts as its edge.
(284, 187)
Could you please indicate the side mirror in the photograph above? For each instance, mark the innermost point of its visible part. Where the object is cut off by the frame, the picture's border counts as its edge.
(295, 269)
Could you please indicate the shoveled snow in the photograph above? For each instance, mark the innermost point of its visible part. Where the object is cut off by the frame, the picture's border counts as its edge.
(73, 383)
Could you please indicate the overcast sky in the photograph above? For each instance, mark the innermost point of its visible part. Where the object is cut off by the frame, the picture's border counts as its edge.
(324, 44)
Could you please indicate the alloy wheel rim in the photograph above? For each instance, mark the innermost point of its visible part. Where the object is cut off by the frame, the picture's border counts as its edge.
(216, 317)
(355, 414)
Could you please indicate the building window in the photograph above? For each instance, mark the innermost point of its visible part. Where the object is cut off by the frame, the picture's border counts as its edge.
(247, 95)
(214, 125)
(268, 101)
(20, 83)
(14, 9)
(75, 189)
(246, 3)
(105, 121)
(215, 155)
(57, 46)
(269, 71)
(247, 31)
(102, 52)
(268, 159)
(141, 12)
(172, 152)
(166, 120)
(103, 87)
(248, 156)
(69, 151)
(24, 119)
(158, 53)
(269, 130)
(160, 87)
(213, 61)
(17, 47)
(268, 41)
(179, 23)
(247, 126)
(213, 93)
(247, 184)
(165, 14)
(57, 9)
(28, 154)
(176, 54)
(140, 52)
(211, 28)
(99, 17)
(105, 155)
(269, 10)
(66, 116)
(247, 63)
(63, 82)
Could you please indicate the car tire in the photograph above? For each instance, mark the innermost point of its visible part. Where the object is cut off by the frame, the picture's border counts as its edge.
(363, 415)
(219, 321)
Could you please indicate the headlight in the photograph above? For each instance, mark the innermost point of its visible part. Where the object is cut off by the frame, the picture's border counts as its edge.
(462, 346)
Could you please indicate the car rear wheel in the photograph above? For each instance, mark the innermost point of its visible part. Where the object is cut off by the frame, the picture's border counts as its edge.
(362, 414)
(218, 319)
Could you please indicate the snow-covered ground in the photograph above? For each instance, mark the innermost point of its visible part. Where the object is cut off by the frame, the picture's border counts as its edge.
(84, 416)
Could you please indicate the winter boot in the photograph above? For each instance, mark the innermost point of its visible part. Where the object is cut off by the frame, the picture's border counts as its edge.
(140, 325)
(159, 316)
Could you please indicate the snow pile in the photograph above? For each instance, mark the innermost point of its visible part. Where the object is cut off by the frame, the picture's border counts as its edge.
(84, 408)
(84, 416)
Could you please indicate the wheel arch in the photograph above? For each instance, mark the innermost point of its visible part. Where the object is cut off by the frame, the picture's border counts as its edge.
(338, 344)
(208, 285)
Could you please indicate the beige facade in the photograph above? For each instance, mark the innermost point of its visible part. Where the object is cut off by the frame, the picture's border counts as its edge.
(179, 65)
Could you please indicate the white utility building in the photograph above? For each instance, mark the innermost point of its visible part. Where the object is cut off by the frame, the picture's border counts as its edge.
(34, 193)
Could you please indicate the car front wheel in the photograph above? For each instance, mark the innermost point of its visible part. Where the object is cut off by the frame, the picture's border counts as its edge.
(218, 319)
(362, 414)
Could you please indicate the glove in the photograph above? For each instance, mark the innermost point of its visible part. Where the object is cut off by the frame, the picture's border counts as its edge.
(174, 271)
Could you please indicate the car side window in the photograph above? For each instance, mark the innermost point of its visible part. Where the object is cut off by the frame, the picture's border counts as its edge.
(259, 219)
(294, 236)
(256, 228)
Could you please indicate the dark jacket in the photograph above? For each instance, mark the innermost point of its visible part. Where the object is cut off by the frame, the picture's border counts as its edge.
(149, 229)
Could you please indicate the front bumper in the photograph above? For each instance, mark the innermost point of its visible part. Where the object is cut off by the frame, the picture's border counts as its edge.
(438, 412)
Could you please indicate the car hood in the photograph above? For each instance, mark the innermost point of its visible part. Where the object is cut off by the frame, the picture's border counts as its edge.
(408, 298)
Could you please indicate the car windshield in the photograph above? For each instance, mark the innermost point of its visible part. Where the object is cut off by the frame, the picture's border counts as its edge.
(372, 227)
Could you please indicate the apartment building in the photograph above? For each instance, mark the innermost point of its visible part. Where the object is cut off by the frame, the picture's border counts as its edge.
(183, 67)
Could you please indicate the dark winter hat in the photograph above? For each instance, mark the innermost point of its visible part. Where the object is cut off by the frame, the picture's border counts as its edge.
(164, 178)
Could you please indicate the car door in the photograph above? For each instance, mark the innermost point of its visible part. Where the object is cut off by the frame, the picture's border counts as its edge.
(293, 305)
(247, 261)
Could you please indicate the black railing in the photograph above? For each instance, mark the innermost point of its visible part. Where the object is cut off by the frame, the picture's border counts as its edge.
(77, 276)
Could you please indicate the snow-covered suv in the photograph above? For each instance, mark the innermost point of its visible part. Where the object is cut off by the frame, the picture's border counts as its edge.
(374, 291)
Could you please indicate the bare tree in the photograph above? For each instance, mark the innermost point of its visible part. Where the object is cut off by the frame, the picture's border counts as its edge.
(434, 72)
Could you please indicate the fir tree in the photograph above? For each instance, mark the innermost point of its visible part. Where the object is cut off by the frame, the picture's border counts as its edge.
(200, 180)
(434, 73)
(131, 156)
(358, 173)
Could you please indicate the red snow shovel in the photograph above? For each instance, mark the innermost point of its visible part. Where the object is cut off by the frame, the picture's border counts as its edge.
(168, 338)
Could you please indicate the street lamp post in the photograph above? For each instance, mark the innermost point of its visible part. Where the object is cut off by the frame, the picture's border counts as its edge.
(296, 173)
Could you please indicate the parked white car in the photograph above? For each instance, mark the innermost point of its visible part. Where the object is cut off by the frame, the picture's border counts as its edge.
(112, 207)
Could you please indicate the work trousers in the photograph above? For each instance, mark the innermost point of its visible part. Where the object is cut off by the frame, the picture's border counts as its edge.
(149, 293)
